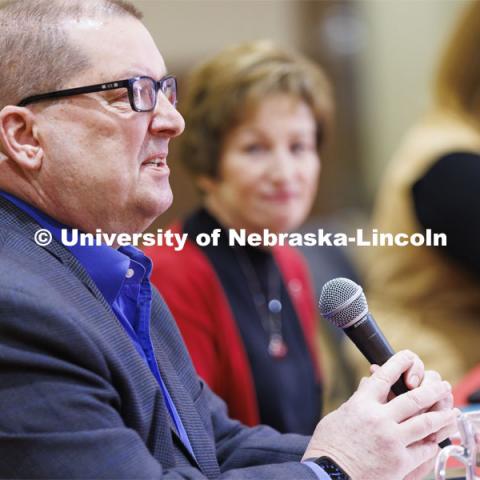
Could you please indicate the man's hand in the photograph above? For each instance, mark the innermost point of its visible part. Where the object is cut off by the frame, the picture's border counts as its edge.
(374, 438)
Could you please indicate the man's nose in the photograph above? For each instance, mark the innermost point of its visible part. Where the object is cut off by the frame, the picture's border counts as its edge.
(166, 119)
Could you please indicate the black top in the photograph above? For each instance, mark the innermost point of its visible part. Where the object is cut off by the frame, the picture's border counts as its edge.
(447, 200)
(288, 393)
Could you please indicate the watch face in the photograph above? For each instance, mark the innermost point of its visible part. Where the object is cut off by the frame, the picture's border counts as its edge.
(330, 467)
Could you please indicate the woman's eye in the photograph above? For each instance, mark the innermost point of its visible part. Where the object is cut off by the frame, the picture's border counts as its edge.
(254, 148)
(298, 147)
(304, 146)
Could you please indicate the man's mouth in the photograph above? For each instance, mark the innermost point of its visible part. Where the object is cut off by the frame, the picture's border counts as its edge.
(156, 161)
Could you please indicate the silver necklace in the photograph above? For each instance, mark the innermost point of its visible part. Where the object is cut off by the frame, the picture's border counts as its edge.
(269, 308)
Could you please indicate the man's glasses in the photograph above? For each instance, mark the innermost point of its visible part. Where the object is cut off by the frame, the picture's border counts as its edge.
(142, 92)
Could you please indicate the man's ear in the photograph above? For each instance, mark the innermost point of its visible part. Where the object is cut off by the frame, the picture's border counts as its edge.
(19, 137)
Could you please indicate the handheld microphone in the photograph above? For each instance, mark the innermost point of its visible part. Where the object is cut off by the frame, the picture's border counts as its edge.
(343, 303)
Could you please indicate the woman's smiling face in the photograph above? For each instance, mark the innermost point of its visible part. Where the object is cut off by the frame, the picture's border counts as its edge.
(269, 168)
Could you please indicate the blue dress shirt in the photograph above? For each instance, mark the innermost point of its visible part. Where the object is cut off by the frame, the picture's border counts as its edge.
(123, 278)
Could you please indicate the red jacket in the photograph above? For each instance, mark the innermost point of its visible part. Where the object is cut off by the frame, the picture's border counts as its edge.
(195, 296)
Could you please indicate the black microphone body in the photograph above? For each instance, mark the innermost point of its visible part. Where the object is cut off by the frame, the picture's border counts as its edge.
(369, 339)
(344, 304)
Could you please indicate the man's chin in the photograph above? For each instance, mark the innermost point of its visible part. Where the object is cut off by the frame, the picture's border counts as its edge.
(157, 206)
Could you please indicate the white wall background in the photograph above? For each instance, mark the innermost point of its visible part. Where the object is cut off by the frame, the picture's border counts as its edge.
(188, 30)
(395, 71)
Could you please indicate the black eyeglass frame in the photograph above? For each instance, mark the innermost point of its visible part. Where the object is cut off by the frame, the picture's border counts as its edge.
(103, 87)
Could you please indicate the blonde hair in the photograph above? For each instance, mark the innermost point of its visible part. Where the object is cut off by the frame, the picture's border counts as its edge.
(224, 89)
(36, 54)
(457, 83)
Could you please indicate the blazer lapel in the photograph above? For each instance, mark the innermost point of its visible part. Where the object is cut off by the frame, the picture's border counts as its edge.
(202, 443)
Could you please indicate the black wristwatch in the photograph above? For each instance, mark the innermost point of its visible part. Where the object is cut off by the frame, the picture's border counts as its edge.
(331, 468)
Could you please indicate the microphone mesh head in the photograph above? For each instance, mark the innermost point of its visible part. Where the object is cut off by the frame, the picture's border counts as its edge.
(342, 302)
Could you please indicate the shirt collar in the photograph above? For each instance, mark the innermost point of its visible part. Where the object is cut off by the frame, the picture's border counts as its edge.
(106, 266)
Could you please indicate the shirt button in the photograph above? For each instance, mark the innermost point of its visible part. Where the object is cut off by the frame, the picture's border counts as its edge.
(130, 273)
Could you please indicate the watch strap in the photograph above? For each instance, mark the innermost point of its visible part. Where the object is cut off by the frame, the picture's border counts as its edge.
(331, 468)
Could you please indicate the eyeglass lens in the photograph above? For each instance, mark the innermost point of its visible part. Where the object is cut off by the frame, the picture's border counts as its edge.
(144, 95)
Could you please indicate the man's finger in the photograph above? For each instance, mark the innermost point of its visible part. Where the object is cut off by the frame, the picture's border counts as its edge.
(450, 431)
(419, 427)
(431, 376)
(417, 400)
(381, 381)
(444, 404)
(423, 470)
(414, 375)
(422, 453)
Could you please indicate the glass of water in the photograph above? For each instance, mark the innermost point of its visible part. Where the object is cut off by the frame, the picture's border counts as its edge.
(467, 453)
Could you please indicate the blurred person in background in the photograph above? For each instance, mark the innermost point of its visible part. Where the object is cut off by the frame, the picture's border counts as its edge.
(257, 118)
(429, 297)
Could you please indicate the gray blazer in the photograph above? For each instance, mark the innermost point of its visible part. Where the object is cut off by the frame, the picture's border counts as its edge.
(76, 399)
